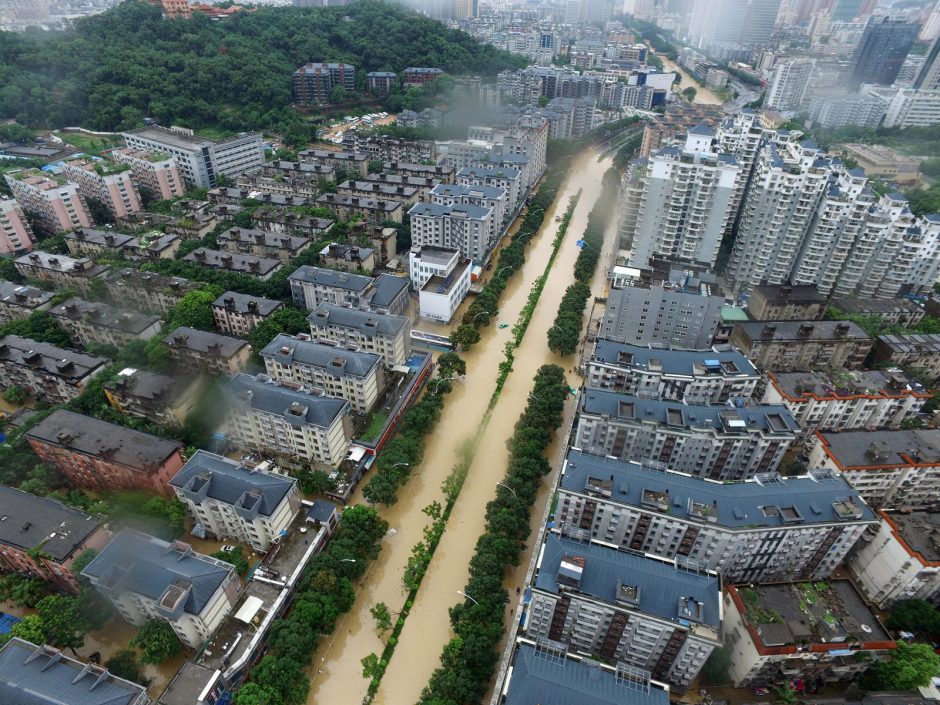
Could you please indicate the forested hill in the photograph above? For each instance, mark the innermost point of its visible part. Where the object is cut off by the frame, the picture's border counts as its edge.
(112, 69)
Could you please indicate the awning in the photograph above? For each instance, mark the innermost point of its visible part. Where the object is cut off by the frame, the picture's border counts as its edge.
(249, 609)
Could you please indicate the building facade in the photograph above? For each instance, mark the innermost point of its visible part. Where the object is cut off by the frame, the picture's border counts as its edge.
(315, 83)
(262, 244)
(111, 185)
(19, 301)
(157, 173)
(56, 204)
(61, 270)
(801, 346)
(47, 372)
(16, 234)
(785, 302)
(93, 322)
(164, 399)
(920, 351)
(238, 314)
(385, 335)
(206, 352)
(466, 228)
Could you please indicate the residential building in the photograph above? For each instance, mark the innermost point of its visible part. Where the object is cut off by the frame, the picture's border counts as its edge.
(509, 179)
(785, 302)
(289, 179)
(21, 300)
(165, 400)
(94, 322)
(463, 227)
(766, 529)
(312, 286)
(446, 281)
(717, 442)
(893, 469)
(155, 172)
(731, 25)
(42, 675)
(421, 184)
(881, 51)
(352, 164)
(772, 639)
(842, 400)
(98, 455)
(16, 234)
(677, 204)
(800, 346)
(148, 291)
(908, 107)
(63, 532)
(491, 197)
(228, 500)
(881, 162)
(625, 607)
(259, 267)
(233, 196)
(54, 203)
(384, 242)
(901, 561)
(147, 578)
(237, 314)
(358, 377)
(385, 335)
(153, 246)
(899, 312)
(443, 172)
(274, 416)
(275, 220)
(690, 376)
(47, 372)
(914, 351)
(349, 258)
(380, 83)
(315, 83)
(371, 189)
(390, 295)
(200, 159)
(61, 270)
(788, 85)
(109, 184)
(416, 76)
(206, 352)
(262, 244)
(372, 210)
(832, 110)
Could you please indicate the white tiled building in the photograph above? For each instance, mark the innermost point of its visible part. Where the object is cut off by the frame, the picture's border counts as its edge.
(442, 278)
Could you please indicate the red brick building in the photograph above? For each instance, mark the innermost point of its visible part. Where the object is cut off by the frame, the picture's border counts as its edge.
(99, 455)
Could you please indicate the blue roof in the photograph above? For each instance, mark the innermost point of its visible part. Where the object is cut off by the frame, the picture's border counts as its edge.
(674, 362)
(661, 585)
(540, 681)
(734, 505)
(321, 511)
(387, 288)
(702, 129)
(337, 361)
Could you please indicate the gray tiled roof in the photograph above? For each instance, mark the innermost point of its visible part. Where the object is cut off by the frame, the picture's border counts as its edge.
(40, 675)
(58, 361)
(29, 521)
(228, 481)
(200, 340)
(458, 191)
(734, 505)
(388, 287)
(32, 296)
(265, 307)
(437, 211)
(365, 322)
(336, 361)
(674, 362)
(145, 565)
(91, 436)
(661, 585)
(272, 398)
(219, 259)
(790, 330)
(494, 172)
(104, 315)
(332, 278)
(105, 238)
(879, 448)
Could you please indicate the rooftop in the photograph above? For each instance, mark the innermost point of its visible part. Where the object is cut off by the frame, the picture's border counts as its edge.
(644, 584)
(365, 322)
(152, 386)
(388, 287)
(42, 675)
(920, 531)
(27, 521)
(332, 278)
(105, 316)
(728, 363)
(491, 172)
(247, 264)
(23, 295)
(196, 340)
(458, 191)
(103, 238)
(865, 449)
(915, 343)
(262, 237)
(767, 501)
(329, 199)
(336, 361)
(429, 254)
(60, 362)
(297, 405)
(460, 210)
(845, 383)
(81, 266)
(91, 436)
(803, 330)
(245, 303)
(442, 286)
(868, 307)
(781, 293)
(187, 685)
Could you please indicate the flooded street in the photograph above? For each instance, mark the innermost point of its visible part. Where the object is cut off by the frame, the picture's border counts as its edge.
(703, 95)
(336, 672)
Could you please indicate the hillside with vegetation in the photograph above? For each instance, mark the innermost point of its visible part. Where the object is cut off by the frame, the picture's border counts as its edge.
(112, 70)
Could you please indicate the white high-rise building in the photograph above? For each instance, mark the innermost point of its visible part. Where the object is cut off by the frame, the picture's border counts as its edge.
(788, 86)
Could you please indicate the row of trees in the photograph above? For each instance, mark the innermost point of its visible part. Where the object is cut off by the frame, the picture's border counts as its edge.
(394, 464)
(469, 659)
(564, 334)
(324, 592)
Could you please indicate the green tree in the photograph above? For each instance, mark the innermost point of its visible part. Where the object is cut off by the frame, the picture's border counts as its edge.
(81, 562)
(30, 628)
(124, 665)
(689, 93)
(715, 670)
(236, 557)
(254, 694)
(450, 364)
(373, 667)
(465, 336)
(15, 395)
(61, 621)
(157, 642)
(917, 616)
(288, 319)
(195, 309)
(339, 95)
(910, 666)
(382, 616)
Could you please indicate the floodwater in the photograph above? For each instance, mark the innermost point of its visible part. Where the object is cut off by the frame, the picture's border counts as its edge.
(337, 672)
(703, 95)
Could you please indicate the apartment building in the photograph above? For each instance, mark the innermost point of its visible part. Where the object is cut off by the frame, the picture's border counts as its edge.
(91, 242)
(314, 83)
(229, 500)
(842, 400)
(772, 639)
(62, 271)
(47, 372)
(94, 322)
(625, 607)
(788, 85)
(147, 291)
(63, 532)
(442, 279)
(233, 196)
(901, 312)
(276, 221)
(259, 243)
(238, 314)
(385, 335)
(165, 400)
(348, 258)
(762, 530)
(43, 675)
(348, 162)
(16, 234)
(155, 172)
(289, 179)
(19, 301)
(785, 302)
(259, 267)
(800, 346)
(110, 184)
(380, 83)
(357, 377)
(147, 578)
(378, 190)
(312, 286)
(419, 75)
(509, 179)
(443, 172)
(200, 159)
(54, 203)
(490, 197)
(98, 455)
(463, 227)
(920, 351)
(372, 210)
(274, 416)
(205, 352)
(891, 469)
(422, 185)
(689, 376)
(717, 442)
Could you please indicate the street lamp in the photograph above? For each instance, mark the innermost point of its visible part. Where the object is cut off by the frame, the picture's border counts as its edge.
(397, 464)
(500, 270)
(348, 560)
(508, 488)
(460, 592)
(483, 313)
(441, 379)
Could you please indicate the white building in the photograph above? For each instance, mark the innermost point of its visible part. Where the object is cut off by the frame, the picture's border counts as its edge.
(507, 178)
(910, 107)
(493, 198)
(229, 500)
(442, 278)
(788, 85)
(385, 335)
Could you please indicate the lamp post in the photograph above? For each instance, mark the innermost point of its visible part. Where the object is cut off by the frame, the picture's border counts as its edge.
(508, 488)
(461, 592)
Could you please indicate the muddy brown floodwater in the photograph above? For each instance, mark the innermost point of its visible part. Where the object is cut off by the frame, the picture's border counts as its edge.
(702, 94)
(336, 672)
